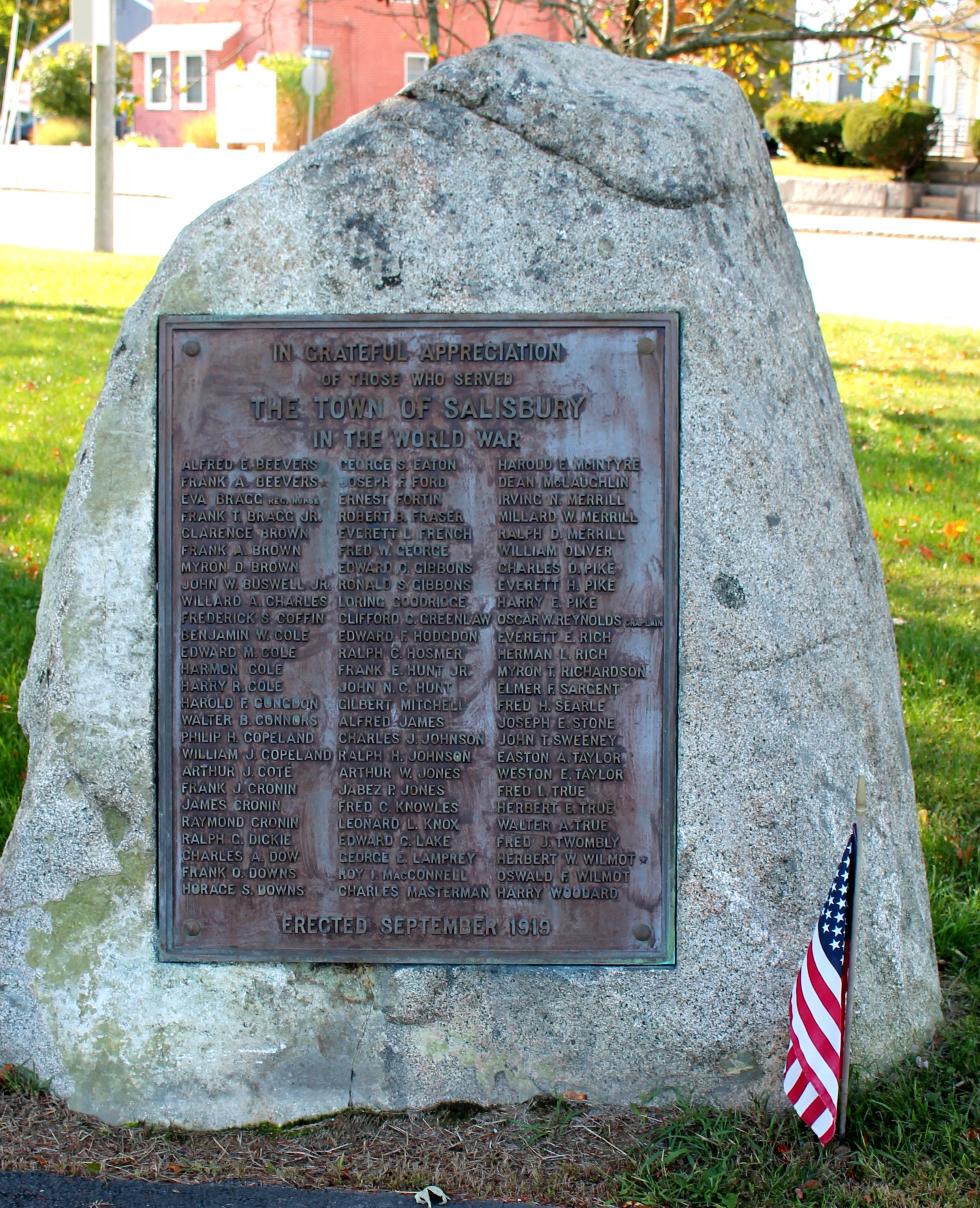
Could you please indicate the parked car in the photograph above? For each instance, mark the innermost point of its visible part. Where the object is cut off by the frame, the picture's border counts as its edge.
(23, 127)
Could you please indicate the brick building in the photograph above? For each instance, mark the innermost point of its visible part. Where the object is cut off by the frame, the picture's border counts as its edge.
(374, 49)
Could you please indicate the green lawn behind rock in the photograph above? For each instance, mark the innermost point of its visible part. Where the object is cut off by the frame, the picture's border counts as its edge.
(789, 166)
(59, 314)
(914, 410)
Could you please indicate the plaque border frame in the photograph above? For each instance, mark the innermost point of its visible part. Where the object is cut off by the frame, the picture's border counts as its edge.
(664, 955)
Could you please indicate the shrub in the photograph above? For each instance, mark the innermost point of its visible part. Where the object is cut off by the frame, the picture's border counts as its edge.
(292, 103)
(975, 138)
(138, 140)
(811, 129)
(892, 134)
(201, 131)
(60, 81)
(61, 132)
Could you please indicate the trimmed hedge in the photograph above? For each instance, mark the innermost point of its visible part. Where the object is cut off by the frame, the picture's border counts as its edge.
(62, 132)
(895, 135)
(975, 139)
(812, 130)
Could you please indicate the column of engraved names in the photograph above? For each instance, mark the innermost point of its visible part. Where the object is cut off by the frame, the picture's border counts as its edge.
(564, 529)
(367, 530)
(407, 627)
(245, 615)
(442, 625)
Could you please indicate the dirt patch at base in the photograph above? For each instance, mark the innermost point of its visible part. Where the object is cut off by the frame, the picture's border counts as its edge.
(549, 1151)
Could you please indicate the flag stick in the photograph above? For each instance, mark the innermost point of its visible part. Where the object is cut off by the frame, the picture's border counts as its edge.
(860, 812)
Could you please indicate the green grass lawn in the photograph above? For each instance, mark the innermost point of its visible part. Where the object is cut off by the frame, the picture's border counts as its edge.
(914, 410)
(788, 165)
(59, 314)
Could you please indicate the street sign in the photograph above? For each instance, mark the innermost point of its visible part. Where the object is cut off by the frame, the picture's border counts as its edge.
(318, 52)
(313, 79)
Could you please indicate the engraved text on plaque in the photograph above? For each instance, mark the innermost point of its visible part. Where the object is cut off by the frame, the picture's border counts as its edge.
(418, 626)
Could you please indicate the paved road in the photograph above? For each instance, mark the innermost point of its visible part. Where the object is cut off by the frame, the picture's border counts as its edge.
(879, 277)
(898, 269)
(58, 1191)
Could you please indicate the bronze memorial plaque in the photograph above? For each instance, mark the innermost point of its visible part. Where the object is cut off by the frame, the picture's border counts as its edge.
(418, 638)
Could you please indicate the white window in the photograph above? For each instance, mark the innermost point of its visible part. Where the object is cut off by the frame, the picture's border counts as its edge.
(157, 83)
(193, 90)
(849, 80)
(915, 70)
(415, 65)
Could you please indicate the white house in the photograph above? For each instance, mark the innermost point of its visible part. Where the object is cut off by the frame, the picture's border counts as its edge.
(939, 59)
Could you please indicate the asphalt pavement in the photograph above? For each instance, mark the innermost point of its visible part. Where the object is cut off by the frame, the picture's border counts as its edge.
(916, 270)
(60, 1191)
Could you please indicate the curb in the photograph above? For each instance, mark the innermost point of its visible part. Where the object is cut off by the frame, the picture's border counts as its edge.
(64, 1191)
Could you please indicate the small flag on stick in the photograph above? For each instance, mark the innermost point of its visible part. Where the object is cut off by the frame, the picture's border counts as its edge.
(814, 1062)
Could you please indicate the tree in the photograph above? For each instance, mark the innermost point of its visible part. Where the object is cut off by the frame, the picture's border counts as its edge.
(292, 101)
(434, 23)
(751, 40)
(38, 18)
(60, 82)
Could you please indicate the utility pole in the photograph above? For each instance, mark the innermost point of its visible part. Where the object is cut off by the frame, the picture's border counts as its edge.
(8, 110)
(312, 93)
(103, 117)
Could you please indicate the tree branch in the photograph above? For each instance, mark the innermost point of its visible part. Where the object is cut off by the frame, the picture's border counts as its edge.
(885, 32)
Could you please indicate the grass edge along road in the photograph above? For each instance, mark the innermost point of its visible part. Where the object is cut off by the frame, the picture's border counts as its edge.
(911, 401)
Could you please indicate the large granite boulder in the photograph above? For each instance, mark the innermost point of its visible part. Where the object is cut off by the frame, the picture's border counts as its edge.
(526, 177)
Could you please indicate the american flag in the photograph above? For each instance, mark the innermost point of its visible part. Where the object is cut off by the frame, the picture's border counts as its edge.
(816, 1008)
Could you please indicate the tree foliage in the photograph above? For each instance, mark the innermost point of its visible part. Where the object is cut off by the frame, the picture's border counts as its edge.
(60, 81)
(751, 40)
(812, 130)
(892, 133)
(38, 18)
(292, 102)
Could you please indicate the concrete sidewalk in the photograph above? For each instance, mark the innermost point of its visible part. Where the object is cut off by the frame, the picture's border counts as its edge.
(896, 269)
(146, 224)
(901, 228)
(61, 1191)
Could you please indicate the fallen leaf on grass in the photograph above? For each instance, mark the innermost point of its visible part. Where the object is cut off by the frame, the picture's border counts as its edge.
(575, 1096)
(926, 552)
(953, 529)
(967, 558)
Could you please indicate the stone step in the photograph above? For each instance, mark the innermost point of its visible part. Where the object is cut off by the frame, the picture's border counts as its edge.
(926, 212)
(954, 174)
(948, 207)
